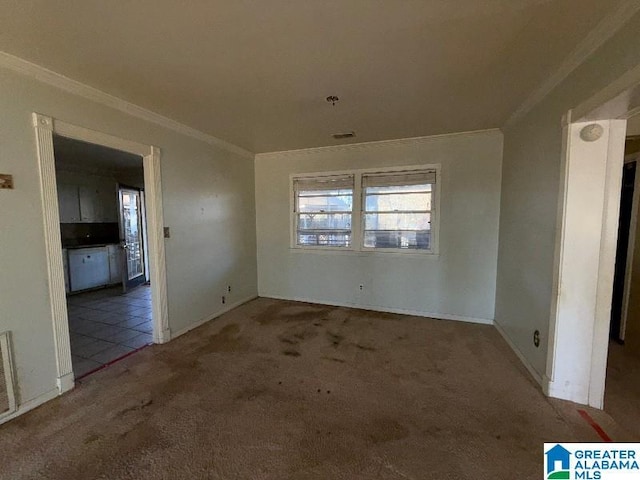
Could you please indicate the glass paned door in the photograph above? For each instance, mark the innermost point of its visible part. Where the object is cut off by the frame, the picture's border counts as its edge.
(131, 237)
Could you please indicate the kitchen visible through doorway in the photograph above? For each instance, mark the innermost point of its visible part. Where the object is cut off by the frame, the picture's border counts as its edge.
(104, 252)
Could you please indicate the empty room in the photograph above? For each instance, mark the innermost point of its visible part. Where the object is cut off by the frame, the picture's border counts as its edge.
(355, 239)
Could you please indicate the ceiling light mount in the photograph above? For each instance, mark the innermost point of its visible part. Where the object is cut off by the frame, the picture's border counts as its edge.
(591, 132)
(332, 99)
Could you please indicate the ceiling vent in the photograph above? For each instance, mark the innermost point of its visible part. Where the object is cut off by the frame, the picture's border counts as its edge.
(340, 136)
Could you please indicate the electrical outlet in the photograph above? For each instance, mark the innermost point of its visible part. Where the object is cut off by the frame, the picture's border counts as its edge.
(228, 288)
(361, 287)
(224, 299)
(536, 338)
(167, 232)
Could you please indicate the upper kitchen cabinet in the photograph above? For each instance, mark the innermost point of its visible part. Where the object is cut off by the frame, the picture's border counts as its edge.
(98, 204)
(68, 203)
(88, 203)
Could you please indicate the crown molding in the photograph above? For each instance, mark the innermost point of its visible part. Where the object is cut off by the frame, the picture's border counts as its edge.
(597, 37)
(69, 85)
(376, 144)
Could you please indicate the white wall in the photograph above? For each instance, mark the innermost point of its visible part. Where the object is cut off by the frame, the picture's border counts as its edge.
(458, 283)
(530, 188)
(208, 204)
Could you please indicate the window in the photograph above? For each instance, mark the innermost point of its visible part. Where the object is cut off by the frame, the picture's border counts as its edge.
(323, 210)
(396, 210)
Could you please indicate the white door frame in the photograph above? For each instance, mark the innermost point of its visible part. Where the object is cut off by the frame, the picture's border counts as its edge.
(45, 127)
(586, 242)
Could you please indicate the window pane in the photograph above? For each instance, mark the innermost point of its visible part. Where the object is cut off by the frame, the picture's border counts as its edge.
(397, 201)
(324, 221)
(397, 221)
(325, 201)
(400, 189)
(327, 238)
(414, 240)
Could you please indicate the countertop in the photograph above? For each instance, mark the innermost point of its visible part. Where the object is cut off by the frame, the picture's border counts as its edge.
(97, 245)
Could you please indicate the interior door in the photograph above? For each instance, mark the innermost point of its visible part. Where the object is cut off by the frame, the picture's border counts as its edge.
(131, 240)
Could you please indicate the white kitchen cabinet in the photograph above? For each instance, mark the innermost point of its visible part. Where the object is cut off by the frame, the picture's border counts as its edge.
(115, 264)
(68, 203)
(87, 203)
(88, 268)
(98, 203)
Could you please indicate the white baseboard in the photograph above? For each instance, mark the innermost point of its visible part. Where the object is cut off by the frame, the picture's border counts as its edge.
(375, 308)
(532, 371)
(30, 405)
(208, 318)
(574, 393)
(65, 383)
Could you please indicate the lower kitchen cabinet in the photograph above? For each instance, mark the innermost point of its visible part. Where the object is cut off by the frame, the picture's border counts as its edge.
(88, 268)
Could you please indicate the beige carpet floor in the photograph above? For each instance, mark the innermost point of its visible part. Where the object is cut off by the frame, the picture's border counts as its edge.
(285, 390)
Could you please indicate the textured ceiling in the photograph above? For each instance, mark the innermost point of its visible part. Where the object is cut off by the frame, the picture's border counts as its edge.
(255, 73)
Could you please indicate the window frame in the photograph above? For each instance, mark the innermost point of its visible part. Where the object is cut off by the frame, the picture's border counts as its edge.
(358, 212)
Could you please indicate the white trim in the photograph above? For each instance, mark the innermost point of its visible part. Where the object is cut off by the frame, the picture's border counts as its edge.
(30, 405)
(357, 212)
(597, 37)
(375, 144)
(376, 308)
(155, 232)
(69, 85)
(532, 371)
(45, 127)
(9, 375)
(607, 259)
(620, 99)
(209, 318)
(584, 263)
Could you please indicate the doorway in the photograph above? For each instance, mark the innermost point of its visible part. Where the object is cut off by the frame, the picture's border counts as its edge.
(45, 128)
(132, 237)
(620, 280)
(587, 246)
(622, 393)
(102, 225)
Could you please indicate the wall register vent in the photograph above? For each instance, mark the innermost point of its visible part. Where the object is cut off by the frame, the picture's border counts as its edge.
(7, 392)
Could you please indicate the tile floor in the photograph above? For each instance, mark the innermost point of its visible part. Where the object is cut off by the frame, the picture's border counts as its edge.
(105, 325)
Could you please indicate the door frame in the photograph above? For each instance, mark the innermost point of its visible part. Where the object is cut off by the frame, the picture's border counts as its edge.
(45, 127)
(583, 275)
(143, 234)
(628, 272)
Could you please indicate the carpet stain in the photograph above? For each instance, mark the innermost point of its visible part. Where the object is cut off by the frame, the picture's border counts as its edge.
(334, 359)
(134, 408)
(226, 340)
(364, 347)
(298, 334)
(291, 353)
(382, 430)
(285, 312)
(334, 338)
(250, 394)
